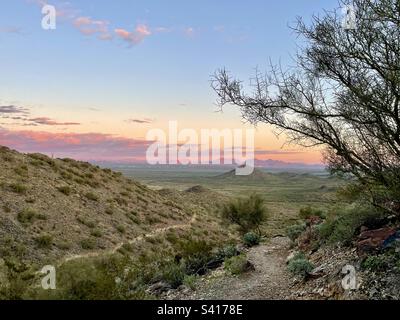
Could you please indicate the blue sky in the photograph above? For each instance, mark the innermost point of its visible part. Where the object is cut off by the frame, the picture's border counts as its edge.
(109, 61)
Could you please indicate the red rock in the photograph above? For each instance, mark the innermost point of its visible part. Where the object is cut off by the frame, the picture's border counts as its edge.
(371, 240)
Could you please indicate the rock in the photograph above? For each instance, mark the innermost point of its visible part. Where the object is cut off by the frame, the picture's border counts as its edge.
(372, 240)
(159, 287)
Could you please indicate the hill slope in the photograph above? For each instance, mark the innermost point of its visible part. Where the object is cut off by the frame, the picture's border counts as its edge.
(53, 208)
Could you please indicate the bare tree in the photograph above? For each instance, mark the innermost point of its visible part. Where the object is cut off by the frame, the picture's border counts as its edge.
(343, 93)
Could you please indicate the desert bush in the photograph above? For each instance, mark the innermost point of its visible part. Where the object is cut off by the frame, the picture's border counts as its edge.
(121, 228)
(88, 244)
(6, 208)
(189, 281)
(196, 255)
(251, 239)
(247, 213)
(376, 263)
(44, 241)
(109, 211)
(227, 252)
(65, 190)
(21, 171)
(96, 233)
(309, 211)
(18, 188)
(63, 245)
(294, 231)
(173, 273)
(88, 223)
(91, 196)
(237, 265)
(27, 215)
(342, 224)
(300, 266)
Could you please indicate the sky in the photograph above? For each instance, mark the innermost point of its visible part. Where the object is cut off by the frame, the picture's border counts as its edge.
(113, 70)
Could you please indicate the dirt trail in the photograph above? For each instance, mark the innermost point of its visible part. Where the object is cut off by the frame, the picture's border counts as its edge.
(137, 239)
(269, 281)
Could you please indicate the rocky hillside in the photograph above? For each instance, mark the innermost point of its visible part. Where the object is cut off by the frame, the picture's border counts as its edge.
(55, 208)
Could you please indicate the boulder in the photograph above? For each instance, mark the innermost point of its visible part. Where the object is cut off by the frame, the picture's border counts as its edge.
(372, 240)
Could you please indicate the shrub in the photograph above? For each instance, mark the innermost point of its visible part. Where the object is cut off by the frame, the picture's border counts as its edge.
(91, 196)
(173, 274)
(248, 213)
(341, 226)
(308, 212)
(109, 211)
(6, 208)
(88, 244)
(96, 233)
(26, 216)
(18, 188)
(189, 281)
(44, 241)
(227, 252)
(87, 223)
(294, 231)
(375, 263)
(65, 190)
(63, 245)
(237, 265)
(196, 255)
(120, 228)
(300, 266)
(251, 239)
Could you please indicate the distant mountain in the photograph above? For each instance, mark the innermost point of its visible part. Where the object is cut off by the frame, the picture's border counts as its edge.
(277, 164)
(257, 175)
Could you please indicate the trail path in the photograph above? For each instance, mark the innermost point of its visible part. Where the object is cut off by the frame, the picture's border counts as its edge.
(269, 281)
(135, 240)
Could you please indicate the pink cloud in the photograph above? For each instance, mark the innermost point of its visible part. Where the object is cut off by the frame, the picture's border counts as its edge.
(81, 146)
(87, 26)
(135, 37)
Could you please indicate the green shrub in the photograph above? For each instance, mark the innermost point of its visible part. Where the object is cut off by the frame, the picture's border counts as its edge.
(342, 225)
(251, 239)
(375, 263)
(300, 266)
(227, 252)
(88, 223)
(196, 255)
(120, 228)
(65, 190)
(308, 212)
(91, 196)
(173, 274)
(189, 281)
(237, 265)
(294, 231)
(18, 188)
(27, 216)
(109, 211)
(88, 244)
(248, 213)
(96, 233)
(22, 170)
(44, 241)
